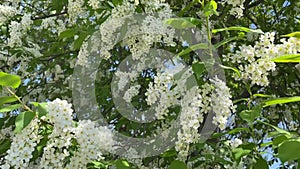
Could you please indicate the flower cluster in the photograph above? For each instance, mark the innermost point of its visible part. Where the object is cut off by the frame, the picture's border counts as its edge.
(221, 103)
(17, 30)
(236, 142)
(94, 4)
(255, 62)
(75, 9)
(53, 24)
(56, 150)
(159, 91)
(143, 33)
(132, 91)
(93, 140)
(65, 141)
(190, 120)
(237, 7)
(60, 114)
(6, 12)
(195, 102)
(22, 146)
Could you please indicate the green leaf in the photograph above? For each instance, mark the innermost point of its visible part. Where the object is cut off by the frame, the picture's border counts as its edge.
(238, 28)
(23, 119)
(58, 5)
(178, 165)
(193, 48)
(278, 140)
(198, 69)
(7, 99)
(122, 164)
(289, 150)
(169, 153)
(41, 108)
(39, 148)
(251, 115)
(10, 108)
(9, 80)
(211, 8)
(278, 130)
(261, 164)
(78, 42)
(248, 146)
(294, 34)
(261, 95)
(194, 21)
(4, 145)
(70, 33)
(238, 153)
(282, 100)
(233, 131)
(232, 68)
(290, 58)
(214, 5)
(227, 40)
(183, 23)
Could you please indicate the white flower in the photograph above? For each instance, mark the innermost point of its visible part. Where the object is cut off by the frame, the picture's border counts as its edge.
(255, 62)
(94, 4)
(26, 21)
(6, 12)
(131, 92)
(222, 104)
(236, 142)
(15, 32)
(60, 114)
(75, 9)
(93, 140)
(20, 152)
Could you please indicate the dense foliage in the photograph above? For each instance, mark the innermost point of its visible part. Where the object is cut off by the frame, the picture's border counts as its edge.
(150, 84)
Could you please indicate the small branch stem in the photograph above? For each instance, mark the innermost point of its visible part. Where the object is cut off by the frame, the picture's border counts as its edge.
(19, 100)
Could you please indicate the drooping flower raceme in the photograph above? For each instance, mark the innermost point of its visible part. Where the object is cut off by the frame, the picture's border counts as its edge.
(237, 7)
(65, 140)
(6, 12)
(221, 103)
(60, 114)
(22, 146)
(255, 62)
(93, 140)
(195, 102)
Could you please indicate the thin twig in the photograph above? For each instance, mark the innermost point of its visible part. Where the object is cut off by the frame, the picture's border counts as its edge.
(19, 100)
(51, 15)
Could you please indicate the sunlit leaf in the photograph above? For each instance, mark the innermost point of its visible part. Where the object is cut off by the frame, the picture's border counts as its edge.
(183, 23)
(193, 48)
(290, 58)
(7, 99)
(294, 34)
(281, 100)
(9, 80)
(10, 108)
(238, 28)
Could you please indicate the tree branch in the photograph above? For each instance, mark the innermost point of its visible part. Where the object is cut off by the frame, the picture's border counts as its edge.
(48, 16)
